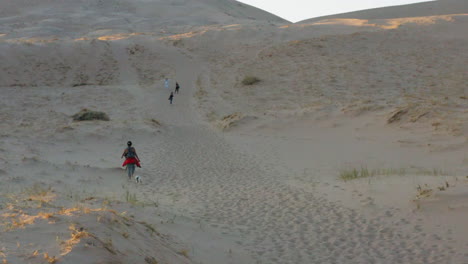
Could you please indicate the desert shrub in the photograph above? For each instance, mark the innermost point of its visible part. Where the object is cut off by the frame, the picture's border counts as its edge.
(85, 115)
(178, 43)
(81, 84)
(151, 260)
(250, 80)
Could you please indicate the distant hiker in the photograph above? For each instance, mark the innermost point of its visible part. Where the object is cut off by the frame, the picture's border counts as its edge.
(171, 97)
(166, 83)
(131, 159)
(177, 87)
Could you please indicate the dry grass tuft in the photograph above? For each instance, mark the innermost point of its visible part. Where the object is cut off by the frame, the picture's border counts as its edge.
(40, 194)
(397, 115)
(347, 175)
(149, 227)
(131, 198)
(86, 115)
(75, 238)
(109, 246)
(155, 122)
(229, 120)
(184, 252)
(423, 192)
(151, 260)
(50, 259)
(21, 220)
(250, 80)
(68, 211)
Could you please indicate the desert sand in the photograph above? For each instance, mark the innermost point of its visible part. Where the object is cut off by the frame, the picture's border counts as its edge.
(351, 147)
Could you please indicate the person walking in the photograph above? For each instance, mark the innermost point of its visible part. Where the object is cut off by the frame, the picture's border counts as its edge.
(131, 159)
(177, 87)
(171, 97)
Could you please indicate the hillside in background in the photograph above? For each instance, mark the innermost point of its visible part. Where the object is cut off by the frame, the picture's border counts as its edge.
(432, 8)
(341, 139)
(69, 18)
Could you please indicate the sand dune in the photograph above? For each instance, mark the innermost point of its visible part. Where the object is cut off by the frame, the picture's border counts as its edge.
(429, 8)
(68, 18)
(350, 148)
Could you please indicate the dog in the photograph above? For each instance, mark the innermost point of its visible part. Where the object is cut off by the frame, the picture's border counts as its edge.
(138, 179)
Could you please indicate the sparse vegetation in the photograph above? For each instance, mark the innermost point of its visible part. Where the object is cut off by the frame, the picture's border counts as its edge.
(75, 238)
(130, 197)
(250, 80)
(135, 49)
(423, 192)
(19, 214)
(396, 116)
(432, 172)
(184, 253)
(200, 93)
(347, 175)
(151, 260)
(363, 172)
(86, 115)
(81, 84)
(109, 246)
(40, 194)
(178, 43)
(155, 122)
(49, 259)
(149, 227)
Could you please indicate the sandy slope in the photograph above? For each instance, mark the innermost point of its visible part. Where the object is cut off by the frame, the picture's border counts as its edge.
(233, 173)
(67, 18)
(429, 8)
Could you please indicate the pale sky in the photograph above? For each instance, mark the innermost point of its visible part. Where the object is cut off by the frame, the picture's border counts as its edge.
(297, 10)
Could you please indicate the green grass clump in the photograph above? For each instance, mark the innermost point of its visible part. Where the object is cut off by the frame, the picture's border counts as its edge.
(250, 80)
(351, 174)
(131, 198)
(347, 175)
(433, 172)
(86, 115)
(389, 171)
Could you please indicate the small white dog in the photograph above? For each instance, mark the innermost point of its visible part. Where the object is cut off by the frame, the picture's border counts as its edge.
(138, 179)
